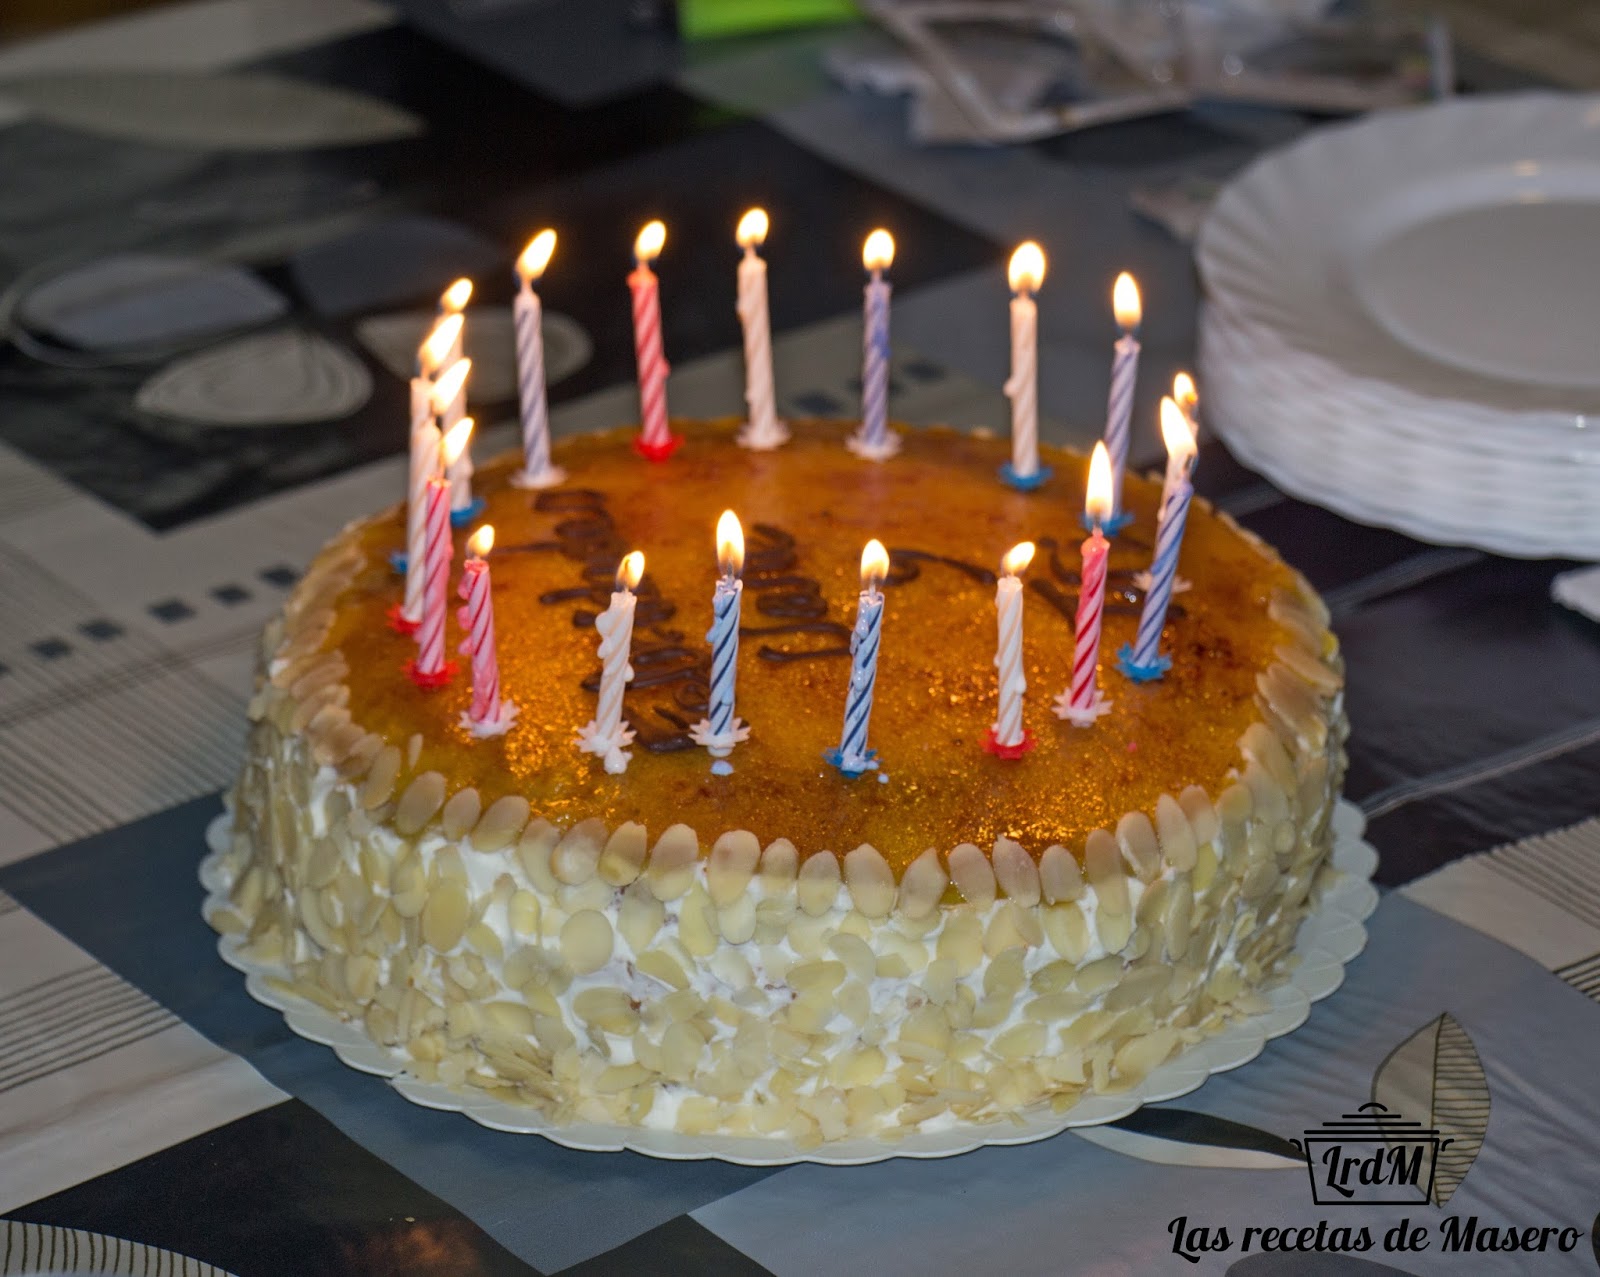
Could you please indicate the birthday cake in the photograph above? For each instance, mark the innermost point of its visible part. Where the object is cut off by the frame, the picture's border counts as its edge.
(752, 939)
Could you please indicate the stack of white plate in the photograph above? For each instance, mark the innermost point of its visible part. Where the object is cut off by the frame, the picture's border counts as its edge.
(1403, 321)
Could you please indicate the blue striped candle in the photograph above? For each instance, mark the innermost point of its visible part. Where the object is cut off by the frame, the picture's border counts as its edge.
(1124, 376)
(874, 440)
(852, 757)
(720, 731)
(1143, 661)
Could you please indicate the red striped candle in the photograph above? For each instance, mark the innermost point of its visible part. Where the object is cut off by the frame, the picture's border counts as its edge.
(656, 440)
(430, 669)
(1082, 703)
(489, 715)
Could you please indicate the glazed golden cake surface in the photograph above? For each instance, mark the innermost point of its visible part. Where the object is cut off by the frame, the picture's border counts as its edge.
(808, 508)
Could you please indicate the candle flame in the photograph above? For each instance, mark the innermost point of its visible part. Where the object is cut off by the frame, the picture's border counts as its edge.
(481, 541)
(456, 297)
(1027, 268)
(752, 228)
(436, 346)
(650, 242)
(631, 570)
(878, 252)
(1017, 559)
(874, 564)
(455, 440)
(449, 385)
(1125, 302)
(536, 256)
(1175, 431)
(1184, 392)
(1097, 503)
(730, 544)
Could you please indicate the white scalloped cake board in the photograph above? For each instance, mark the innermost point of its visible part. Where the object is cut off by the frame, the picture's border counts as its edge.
(1329, 939)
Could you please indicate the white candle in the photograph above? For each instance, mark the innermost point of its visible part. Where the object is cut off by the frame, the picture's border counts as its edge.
(1007, 737)
(605, 735)
(763, 431)
(527, 314)
(852, 757)
(721, 730)
(1026, 274)
(488, 715)
(1124, 376)
(874, 440)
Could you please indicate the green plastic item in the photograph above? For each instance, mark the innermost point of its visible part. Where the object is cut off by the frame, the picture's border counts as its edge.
(710, 19)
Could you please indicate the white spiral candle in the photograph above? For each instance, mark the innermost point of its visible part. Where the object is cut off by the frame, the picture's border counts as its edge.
(1008, 733)
(605, 735)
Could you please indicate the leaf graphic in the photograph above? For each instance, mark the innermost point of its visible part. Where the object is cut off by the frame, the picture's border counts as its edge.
(246, 110)
(1435, 1077)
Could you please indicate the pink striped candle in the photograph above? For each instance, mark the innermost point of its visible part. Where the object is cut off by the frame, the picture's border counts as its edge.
(1082, 703)
(488, 715)
(656, 440)
(429, 669)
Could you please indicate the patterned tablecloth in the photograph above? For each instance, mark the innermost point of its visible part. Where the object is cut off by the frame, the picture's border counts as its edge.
(222, 225)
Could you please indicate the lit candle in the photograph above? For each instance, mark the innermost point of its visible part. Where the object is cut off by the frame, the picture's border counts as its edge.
(1143, 661)
(450, 407)
(453, 301)
(605, 734)
(1007, 738)
(1026, 274)
(720, 731)
(852, 757)
(429, 669)
(1124, 374)
(1188, 399)
(763, 431)
(656, 440)
(1081, 704)
(528, 316)
(874, 440)
(424, 465)
(488, 715)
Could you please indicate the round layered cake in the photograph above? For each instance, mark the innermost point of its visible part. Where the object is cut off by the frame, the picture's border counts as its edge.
(785, 949)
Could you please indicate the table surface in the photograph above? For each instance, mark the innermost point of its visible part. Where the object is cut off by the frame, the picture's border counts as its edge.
(312, 175)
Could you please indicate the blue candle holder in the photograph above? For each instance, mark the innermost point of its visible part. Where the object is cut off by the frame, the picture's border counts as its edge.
(397, 561)
(1024, 482)
(460, 518)
(859, 766)
(1141, 673)
(1108, 527)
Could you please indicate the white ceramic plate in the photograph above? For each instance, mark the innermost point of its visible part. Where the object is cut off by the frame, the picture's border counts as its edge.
(1329, 938)
(1403, 315)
